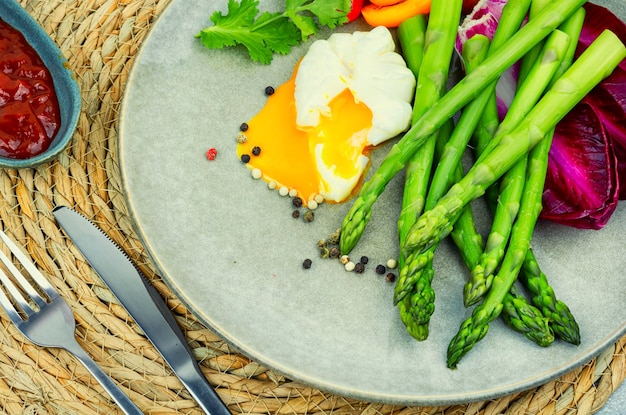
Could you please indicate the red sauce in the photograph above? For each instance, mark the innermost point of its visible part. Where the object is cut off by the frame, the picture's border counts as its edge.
(29, 109)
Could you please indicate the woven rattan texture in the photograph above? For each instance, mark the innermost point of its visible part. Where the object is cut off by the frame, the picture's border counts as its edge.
(100, 39)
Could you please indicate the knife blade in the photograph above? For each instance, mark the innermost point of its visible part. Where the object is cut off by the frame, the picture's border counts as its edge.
(142, 301)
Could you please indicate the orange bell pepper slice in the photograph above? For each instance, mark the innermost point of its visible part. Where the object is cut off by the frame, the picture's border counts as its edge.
(393, 15)
(382, 3)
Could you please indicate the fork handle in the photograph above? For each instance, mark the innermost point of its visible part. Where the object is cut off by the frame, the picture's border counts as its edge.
(105, 380)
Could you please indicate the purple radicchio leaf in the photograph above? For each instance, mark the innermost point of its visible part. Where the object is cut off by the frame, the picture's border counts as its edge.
(609, 98)
(581, 182)
(586, 193)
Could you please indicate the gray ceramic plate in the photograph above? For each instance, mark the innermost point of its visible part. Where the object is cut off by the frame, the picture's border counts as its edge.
(230, 249)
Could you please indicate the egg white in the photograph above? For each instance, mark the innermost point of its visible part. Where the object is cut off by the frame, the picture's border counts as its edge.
(366, 63)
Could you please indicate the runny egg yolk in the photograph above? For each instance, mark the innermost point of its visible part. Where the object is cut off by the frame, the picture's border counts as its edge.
(288, 152)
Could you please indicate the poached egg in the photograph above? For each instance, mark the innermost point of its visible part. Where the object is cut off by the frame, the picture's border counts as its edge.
(348, 94)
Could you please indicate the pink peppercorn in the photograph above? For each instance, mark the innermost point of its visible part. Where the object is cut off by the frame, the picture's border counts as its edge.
(211, 153)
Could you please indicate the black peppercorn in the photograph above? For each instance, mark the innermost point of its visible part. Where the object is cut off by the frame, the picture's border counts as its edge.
(269, 90)
(334, 252)
(245, 158)
(243, 127)
(296, 202)
(381, 269)
(364, 260)
(391, 277)
(256, 150)
(309, 216)
(334, 237)
(359, 268)
(295, 214)
(306, 264)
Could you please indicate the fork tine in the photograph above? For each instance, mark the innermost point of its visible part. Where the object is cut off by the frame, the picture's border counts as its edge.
(32, 270)
(7, 304)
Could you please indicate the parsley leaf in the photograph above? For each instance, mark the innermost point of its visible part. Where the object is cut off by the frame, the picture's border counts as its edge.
(331, 13)
(271, 33)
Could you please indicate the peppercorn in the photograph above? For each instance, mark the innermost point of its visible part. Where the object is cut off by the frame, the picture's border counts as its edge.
(381, 269)
(364, 260)
(269, 90)
(256, 150)
(309, 216)
(243, 127)
(324, 253)
(211, 153)
(344, 259)
(295, 214)
(359, 268)
(321, 243)
(296, 202)
(391, 277)
(245, 158)
(334, 252)
(334, 237)
(306, 264)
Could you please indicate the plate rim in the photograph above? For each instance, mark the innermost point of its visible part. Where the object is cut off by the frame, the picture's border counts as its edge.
(577, 361)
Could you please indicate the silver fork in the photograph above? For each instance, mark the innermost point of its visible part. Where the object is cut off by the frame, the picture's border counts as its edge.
(49, 322)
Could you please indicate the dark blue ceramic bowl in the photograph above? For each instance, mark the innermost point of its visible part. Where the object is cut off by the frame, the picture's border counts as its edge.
(65, 85)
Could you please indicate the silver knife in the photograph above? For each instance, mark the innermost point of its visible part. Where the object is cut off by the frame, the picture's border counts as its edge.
(143, 303)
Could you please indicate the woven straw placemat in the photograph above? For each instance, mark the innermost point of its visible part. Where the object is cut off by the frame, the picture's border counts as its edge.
(100, 39)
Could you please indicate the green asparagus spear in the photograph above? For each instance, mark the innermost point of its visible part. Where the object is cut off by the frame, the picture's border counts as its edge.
(468, 88)
(412, 37)
(476, 326)
(416, 303)
(526, 319)
(576, 79)
(474, 51)
(530, 90)
(597, 62)
(465, 236)
(440, 37)
(517, 312)
(531, 57)
(558, 313)
(561, 319)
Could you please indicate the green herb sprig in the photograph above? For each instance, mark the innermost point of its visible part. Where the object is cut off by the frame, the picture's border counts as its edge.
(271, 32)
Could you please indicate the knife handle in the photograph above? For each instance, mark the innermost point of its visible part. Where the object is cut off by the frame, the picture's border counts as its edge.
(179, 356)
(195, 382)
